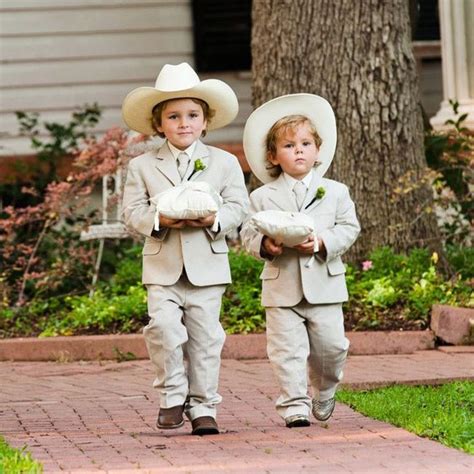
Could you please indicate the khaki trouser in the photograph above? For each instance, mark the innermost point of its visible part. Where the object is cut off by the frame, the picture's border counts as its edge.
(184, 326)
(301, 336)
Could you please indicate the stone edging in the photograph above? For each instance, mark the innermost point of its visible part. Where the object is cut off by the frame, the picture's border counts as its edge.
(251, 346)
(453, 325)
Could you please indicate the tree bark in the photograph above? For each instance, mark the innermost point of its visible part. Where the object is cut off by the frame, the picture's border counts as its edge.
(358, 55)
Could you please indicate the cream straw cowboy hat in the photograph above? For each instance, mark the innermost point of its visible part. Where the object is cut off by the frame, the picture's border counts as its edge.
(179, 81)
(261, 120)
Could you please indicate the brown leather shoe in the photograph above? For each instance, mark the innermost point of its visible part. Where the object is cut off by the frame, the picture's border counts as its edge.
(169, 418)
(204, 425)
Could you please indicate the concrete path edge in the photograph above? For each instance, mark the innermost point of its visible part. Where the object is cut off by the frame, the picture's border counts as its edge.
(237, 346)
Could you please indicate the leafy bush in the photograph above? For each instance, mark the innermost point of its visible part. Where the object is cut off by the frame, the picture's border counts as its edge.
(241, 308)
(451, 153)
(128, 271)
(119, 306)
(394, 291)
(102, 313)
(449, 172)
(461, 260)
(390, 291)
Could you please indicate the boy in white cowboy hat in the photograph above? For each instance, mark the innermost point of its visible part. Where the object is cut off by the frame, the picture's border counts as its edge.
(185, 264)
(289, 143)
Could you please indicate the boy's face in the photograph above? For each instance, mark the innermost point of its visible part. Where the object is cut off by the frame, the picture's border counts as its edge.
(182, 122)
(296, 151)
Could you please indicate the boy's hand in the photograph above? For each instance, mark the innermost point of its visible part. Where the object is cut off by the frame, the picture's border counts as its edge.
(322, 252)
(171, 223)
(307, 246)
(203, 222)
(271, 247)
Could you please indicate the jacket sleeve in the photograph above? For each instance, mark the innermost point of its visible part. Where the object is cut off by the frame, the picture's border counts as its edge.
(137, 211)
(339, 238)
(235, 201)
(250, 235)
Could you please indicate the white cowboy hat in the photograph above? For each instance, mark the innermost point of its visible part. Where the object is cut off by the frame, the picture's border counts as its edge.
(174, 82)
(261, 120)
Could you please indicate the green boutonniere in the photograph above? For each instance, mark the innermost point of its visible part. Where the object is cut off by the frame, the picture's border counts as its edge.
(320, 192)
(199, 165)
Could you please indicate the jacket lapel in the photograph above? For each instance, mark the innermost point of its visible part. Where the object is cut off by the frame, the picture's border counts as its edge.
(311, 202)
(281, 195)
(201, 153)
(166, 164)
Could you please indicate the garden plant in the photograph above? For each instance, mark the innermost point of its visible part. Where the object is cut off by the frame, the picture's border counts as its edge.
(45, 270)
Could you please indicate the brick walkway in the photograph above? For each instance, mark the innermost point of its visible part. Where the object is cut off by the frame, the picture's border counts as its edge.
(97, 417)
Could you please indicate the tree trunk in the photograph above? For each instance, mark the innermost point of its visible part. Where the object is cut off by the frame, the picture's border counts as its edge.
(357, 55)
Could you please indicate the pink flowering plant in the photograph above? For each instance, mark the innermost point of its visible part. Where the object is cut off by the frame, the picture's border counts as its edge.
(40, 251)
(366, 265)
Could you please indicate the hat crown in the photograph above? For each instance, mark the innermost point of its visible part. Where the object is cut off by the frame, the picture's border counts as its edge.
(176, 78)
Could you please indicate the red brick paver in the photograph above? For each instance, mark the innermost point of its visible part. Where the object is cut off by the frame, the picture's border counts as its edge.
(97, 417)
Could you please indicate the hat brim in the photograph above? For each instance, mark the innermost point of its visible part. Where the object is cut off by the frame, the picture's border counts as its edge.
(138, 105)
(261, 120)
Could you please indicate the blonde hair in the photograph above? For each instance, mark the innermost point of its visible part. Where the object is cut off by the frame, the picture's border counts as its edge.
(158, 110)
(289, 122)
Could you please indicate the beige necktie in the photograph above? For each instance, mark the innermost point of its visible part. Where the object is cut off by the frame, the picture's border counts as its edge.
(300, 193)
(183, 161)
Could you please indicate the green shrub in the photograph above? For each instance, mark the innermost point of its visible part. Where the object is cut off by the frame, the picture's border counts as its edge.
(396, 292)
(100, 314)
(128, 271)
(461, 260)
(241, 308)
(382, 293)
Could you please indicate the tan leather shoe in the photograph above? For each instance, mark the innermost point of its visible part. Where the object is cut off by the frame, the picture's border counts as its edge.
(204, 425)
(170, 418)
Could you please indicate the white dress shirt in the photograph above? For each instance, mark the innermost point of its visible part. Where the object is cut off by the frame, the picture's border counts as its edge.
(306, 181)
(292, 181)
(176, 151)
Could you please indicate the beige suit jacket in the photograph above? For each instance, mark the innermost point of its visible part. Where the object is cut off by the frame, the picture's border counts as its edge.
(287, 278)
(201, 252)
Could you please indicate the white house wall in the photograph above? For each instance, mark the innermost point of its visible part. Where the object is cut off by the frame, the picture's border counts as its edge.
(57, 55)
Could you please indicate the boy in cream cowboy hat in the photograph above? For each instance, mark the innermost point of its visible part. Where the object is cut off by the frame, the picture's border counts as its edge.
(185, 264)
(289, 143)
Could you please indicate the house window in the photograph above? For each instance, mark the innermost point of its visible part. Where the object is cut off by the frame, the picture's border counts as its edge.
(427, 21)
(222, 32)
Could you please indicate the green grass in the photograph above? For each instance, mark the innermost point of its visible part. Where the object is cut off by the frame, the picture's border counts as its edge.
(444, 413)
(15, 461)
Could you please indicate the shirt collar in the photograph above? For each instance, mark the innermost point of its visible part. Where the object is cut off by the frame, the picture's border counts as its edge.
(176, 151)
(292, 181)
